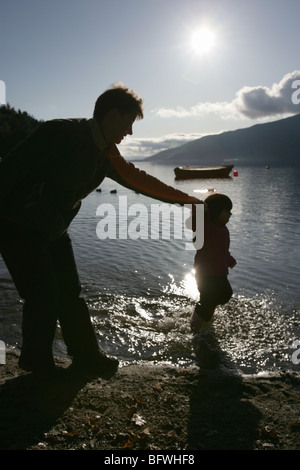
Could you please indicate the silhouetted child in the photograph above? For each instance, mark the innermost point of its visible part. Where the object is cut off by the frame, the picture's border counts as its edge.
(213, 260)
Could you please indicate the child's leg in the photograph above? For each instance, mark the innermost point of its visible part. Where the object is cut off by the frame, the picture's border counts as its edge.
(214, 291)
(224, 290)
(205, 309)
(201, 313)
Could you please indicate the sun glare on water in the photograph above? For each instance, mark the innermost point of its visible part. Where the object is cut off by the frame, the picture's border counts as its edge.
(202, 41)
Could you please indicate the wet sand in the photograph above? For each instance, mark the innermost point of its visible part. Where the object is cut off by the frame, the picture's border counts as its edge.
(148, 407)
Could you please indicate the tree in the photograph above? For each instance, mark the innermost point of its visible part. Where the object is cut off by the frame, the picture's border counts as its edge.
(15, 126)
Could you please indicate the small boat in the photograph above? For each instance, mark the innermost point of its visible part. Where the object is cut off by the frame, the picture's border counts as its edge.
(190, 172)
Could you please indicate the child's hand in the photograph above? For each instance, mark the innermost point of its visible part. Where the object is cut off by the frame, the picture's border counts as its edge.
(231, 261)
(190, 222)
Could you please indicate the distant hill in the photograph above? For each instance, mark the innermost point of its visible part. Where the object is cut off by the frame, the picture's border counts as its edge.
(15, 126)
(273, 143)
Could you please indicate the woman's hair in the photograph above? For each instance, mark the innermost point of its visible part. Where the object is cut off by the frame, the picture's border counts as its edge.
(121, 98)
(216, 203)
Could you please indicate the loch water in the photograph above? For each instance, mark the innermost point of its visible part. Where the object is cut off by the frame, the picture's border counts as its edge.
(141, 290)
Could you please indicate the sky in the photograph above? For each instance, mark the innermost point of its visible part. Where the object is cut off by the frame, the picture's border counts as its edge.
(201, 67)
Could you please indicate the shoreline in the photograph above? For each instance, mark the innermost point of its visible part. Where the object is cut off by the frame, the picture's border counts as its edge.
(150, 407)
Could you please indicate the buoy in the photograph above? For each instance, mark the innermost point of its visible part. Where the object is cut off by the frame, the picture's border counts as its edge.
(235, 173)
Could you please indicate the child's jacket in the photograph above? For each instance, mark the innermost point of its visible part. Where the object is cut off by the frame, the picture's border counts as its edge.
(214, 258)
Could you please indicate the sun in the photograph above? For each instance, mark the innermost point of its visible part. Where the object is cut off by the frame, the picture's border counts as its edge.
(202, 40)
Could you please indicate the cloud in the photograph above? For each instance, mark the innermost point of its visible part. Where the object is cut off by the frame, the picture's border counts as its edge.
(145, 147)
(250, 102)
(222, 108)
(259, 102)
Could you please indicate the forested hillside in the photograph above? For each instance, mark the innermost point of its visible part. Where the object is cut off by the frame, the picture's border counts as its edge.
(15, 126)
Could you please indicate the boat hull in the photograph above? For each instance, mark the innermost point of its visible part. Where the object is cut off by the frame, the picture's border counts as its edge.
(203, 172)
